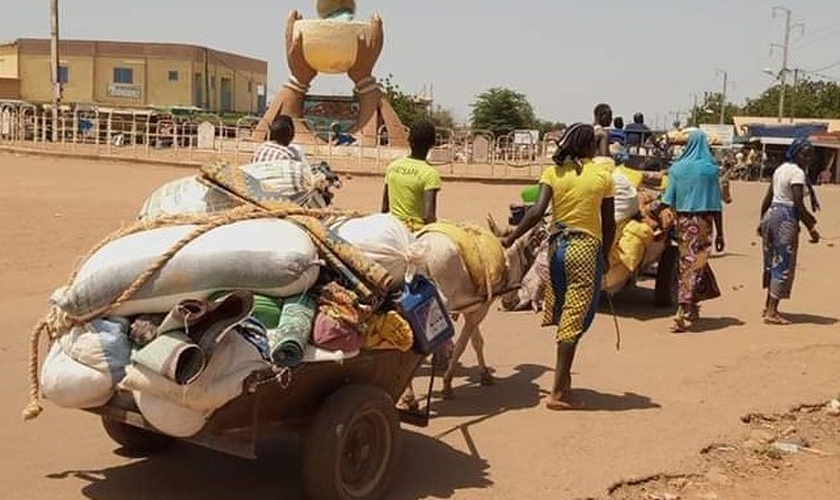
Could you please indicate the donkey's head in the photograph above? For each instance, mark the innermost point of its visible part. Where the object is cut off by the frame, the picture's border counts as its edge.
(522, 254)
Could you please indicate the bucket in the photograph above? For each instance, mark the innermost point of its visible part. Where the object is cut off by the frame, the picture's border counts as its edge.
(422, 306)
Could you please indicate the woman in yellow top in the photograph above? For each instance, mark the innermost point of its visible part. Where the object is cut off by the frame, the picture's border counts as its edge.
(580, 193)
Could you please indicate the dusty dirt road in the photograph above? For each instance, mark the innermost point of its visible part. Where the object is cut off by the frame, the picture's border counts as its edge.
(651, 408)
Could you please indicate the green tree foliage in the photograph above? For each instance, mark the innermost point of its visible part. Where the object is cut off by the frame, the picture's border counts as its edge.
(709, 111)
(442, 117)
(501, 111)
(546, 126)
(808, 99)
(405, 105)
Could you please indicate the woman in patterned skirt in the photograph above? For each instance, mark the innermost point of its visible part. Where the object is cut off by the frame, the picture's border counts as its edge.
(580, 195)
(694, 193)
(782, 210)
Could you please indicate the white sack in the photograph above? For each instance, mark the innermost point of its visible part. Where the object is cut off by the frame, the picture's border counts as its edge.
(70, 384)
(383, 239)
(168, 417)
(270, 257)
(185, 196)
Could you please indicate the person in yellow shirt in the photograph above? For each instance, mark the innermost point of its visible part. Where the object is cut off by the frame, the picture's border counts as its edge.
(580, 194)
(411, 184)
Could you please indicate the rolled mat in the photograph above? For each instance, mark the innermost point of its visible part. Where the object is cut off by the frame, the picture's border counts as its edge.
(266, 309)
(289, 340)
(174, 356)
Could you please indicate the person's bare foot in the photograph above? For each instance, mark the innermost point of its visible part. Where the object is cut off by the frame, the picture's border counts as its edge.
(563, 403)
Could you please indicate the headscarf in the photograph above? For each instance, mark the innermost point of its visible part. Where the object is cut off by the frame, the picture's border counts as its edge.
(792, 152)
(693, 185)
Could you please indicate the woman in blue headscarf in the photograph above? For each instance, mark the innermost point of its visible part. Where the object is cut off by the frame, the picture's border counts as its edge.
(694, 194)
(782, 210)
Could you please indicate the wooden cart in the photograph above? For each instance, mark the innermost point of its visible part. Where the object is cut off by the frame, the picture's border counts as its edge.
(345, 411)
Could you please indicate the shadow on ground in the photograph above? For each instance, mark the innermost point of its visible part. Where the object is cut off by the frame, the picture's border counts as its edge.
(810, 319)
(516, 392)
(710, 325)
(636, 302)
(598, 401)
(427, 468)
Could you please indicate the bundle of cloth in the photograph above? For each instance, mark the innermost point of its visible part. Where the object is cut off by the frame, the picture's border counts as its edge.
(221, 186)
(180, 312)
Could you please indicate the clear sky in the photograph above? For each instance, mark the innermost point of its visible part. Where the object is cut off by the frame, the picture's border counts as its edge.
(642, 55)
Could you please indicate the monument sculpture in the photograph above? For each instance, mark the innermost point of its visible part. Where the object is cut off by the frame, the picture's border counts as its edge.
(335, 44)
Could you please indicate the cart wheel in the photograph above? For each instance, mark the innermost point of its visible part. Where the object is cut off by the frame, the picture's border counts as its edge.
(665, 293)
(135, 439)
(350, 447)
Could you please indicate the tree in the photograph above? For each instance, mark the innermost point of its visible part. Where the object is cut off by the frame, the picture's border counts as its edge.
(405, 105)
(501, 111)
(442, 117)
(709, 111)
(546, 126)
(807, 99)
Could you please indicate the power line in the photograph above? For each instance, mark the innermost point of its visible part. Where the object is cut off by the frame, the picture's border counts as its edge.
(828, 36)
(826, 68)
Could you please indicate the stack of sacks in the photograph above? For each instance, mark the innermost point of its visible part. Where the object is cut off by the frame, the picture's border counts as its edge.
(168, 338)
(238, 299)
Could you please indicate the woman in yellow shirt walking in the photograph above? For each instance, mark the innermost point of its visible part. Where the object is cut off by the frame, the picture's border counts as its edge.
(580, 193)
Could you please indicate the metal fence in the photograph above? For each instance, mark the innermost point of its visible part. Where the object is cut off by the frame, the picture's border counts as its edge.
(150, 135)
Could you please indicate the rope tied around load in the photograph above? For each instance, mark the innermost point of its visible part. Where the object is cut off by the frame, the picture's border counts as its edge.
(58, 323)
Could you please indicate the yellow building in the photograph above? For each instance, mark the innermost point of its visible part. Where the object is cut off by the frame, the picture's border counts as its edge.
(134, 75)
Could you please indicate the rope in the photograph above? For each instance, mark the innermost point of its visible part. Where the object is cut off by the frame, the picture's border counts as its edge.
(58, 323)
(615, 322)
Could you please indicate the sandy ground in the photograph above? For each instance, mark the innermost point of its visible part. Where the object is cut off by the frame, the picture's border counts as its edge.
(652, 407)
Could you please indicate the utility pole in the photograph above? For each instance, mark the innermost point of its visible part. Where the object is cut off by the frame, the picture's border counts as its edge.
(723, 95)
(694, 110)
(785, 47)
(795, 94)
(54, 66)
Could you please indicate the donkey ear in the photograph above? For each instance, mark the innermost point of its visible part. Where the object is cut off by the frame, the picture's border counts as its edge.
(494, 228)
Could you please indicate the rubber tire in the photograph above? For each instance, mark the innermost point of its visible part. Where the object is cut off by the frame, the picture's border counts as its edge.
(134, 439)
(327, 435)
(666, 289)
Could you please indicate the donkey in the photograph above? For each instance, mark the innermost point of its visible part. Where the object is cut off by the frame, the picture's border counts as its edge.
(444, 266)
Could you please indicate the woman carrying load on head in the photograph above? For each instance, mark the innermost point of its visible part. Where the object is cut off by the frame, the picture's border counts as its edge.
(694, 193)
(580, 195)
(782, 210)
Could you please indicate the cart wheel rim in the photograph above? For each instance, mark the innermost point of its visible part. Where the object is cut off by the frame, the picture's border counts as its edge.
(365, 453)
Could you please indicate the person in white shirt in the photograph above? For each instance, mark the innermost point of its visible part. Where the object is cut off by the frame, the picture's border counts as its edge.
(782, 210)
(278, 146)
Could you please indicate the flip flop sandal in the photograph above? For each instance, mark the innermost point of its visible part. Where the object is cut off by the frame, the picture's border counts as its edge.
(679, 326)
